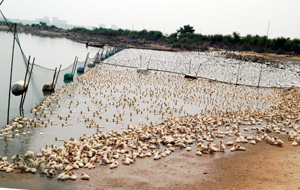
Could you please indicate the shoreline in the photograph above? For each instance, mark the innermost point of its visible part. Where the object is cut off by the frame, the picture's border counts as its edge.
(101, 40)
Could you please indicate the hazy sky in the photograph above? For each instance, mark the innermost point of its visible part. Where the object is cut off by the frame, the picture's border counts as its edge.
(206, 16)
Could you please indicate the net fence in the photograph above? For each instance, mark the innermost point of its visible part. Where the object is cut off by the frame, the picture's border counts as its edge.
(40, 74)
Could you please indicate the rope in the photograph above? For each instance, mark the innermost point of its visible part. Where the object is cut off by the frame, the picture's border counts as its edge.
(199, 77)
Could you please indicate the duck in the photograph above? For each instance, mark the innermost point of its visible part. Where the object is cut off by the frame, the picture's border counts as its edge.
(240, 148)
(222, 147)
(84, 176)
(63, 176)
(113, 165)
(199, 153)
(189, 148)
(157, 157)
(229, 143)
(294, 143)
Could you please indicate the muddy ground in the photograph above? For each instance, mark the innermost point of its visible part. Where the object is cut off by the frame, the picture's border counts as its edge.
(261, 166)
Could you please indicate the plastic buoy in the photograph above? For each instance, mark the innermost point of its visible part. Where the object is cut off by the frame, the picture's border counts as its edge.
(48, 87)
(80, 70)
(91, 65)
(68, 76)
(18, 88)
(142, 70)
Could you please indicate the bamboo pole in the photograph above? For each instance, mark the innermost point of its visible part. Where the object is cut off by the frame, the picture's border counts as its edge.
(267, 39)
(190, 67)
(106, 53)
(24, 85)
(74, 64)
(264, 55)
(11, 70)
(57, 77)
(27, 86)
(101, 54)
(149, 62)
(259, 75)
(54, 77)
(26, 72)
(87, 56)
(200, 65)
(140, 61)
(237, 77)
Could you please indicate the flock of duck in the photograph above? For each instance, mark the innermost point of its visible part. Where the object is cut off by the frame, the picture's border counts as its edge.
(149, 115)
(212, 65)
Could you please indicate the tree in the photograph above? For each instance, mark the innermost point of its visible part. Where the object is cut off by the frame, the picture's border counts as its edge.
(43, 24)
(236, 37)
(186, 29)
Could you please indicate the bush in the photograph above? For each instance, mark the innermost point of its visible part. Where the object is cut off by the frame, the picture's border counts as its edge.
(176, 45)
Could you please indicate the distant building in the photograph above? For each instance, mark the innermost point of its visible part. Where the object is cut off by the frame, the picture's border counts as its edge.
(114, 27)
(59, 23)
(102, 26)
(45, 19)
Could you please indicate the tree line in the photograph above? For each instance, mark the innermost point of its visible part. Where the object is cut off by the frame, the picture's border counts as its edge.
(186, 38)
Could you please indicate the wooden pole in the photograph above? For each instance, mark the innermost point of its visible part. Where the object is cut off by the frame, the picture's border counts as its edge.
(87, 56)
(57, 77)
(54, 77)
(237, 77)
(74, 64)
(190, 67)
(24, 85)
(200, 66)
(149, 62)
(267, 39)
(140, 61)
(264, 55)
(26, 72)
(106, 53)
(11, 71)
(101, 54)
(260, 75)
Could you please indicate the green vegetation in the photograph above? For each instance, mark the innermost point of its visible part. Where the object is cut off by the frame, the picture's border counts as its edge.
(144, 34)
(44, 26)
(186, 29)
(186, 38)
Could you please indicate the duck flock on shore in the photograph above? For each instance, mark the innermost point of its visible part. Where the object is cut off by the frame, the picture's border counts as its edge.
(150, 115)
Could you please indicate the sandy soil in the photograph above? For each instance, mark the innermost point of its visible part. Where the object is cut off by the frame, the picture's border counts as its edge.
(262, 166)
